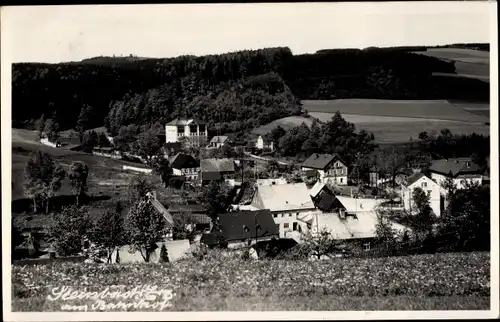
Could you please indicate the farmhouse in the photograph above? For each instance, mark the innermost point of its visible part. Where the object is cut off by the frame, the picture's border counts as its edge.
(330, 167)
(354, 228)
(461, 170)
(193, 131)
(433, 190)
(264, 143)
(244, 228)
(218, 142)
(286, 202)
(185, 165)
(216, 169)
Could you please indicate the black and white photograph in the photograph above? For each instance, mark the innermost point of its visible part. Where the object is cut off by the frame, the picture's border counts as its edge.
(250, 161)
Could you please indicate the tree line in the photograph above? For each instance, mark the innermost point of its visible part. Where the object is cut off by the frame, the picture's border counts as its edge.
(261, 83)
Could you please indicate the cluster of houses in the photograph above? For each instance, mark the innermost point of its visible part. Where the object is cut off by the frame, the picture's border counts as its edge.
(276, 209)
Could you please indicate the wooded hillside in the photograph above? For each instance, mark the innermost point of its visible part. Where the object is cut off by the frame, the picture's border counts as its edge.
(239, 90)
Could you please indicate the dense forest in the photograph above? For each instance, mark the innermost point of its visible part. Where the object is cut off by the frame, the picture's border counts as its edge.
(238, 90)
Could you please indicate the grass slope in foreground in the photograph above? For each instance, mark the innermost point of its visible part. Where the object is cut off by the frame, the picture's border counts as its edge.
(459, 281)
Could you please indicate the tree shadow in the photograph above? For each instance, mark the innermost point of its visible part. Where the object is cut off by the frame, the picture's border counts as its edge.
(56, 203)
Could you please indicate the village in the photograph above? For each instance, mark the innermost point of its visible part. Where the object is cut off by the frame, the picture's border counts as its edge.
(266, 203)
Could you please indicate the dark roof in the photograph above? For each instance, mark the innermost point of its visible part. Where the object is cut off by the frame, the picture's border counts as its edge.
(242, 225)
(456, 166)
(311, 172)
(172, 145)
(178, 178)
(179, 207)
(413, 178)
(320, 161)
(217, 165)
(185, 121)
(183, 161)
(211, 176)
(212, 239)
(328, 202)
(198, 218)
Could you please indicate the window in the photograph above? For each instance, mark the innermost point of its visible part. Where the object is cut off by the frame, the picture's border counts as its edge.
(295, 226)
(290, 215)
(429, 192)
(286, 225)
(341, 180)
(275, 215)
(367, 246)
(424, 184)
(278, 227)
(297, 214)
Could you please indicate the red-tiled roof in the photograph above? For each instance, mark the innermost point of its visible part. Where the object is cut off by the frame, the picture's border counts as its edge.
(457, 166)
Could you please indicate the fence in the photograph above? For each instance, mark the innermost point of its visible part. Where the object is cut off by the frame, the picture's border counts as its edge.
(137, 169)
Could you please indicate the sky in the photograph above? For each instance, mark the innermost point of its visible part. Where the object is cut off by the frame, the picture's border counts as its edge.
(71, 33)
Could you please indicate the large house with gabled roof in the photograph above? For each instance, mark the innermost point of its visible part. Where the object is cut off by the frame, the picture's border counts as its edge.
(330, 167)
(461, 170)
(193, 131)
(430, 187)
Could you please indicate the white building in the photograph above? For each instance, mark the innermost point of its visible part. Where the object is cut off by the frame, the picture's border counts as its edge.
(461, 170)
(286, 202)
(263, 143)
(433, 190)
(195, 131)
(330, 167)
(218, 141)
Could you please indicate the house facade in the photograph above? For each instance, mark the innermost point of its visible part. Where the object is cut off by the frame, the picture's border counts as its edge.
(218, 142)
(216, 169)
(430, 187)
(262, 143)
(331, 169)
(461, 170)
(245, 228)
(286, 202)
(185, 165)
(193, 131)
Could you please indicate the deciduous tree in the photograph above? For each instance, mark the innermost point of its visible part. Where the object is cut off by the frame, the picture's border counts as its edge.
(68, 229)
(109, 233)
(78, 174)
(145, 227)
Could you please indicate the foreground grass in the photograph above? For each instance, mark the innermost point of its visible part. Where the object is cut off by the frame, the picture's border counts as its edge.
(424, 282)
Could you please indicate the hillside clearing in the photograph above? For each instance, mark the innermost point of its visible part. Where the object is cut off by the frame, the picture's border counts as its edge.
(427, 109)
(286, 123)
(389, 129)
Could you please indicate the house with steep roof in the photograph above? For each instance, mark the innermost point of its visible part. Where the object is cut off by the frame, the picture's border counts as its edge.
(430, 187)
(218, 141)
(216, 169)
(318, 189)
(286, 202)
(461, 170)
(244, 228)
(192, 131)
(183, 164)
(330, 167)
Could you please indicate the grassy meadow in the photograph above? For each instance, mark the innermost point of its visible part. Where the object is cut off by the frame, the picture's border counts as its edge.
(458, 281)
(286, 123)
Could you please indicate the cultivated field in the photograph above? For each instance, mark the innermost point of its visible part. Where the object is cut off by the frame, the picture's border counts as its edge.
(468, 62)
(425, 282)
(286, 123)
(398, 121)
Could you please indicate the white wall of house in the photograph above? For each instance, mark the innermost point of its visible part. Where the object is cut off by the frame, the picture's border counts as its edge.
(136, 169)
(459, 182)
(288, 222)
(260, 144)
(235, 244)
(428, 186)
(171, 133)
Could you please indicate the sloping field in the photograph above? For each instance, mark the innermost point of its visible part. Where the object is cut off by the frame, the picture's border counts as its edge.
(427, 109)
(468, 62)
(286, 123)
